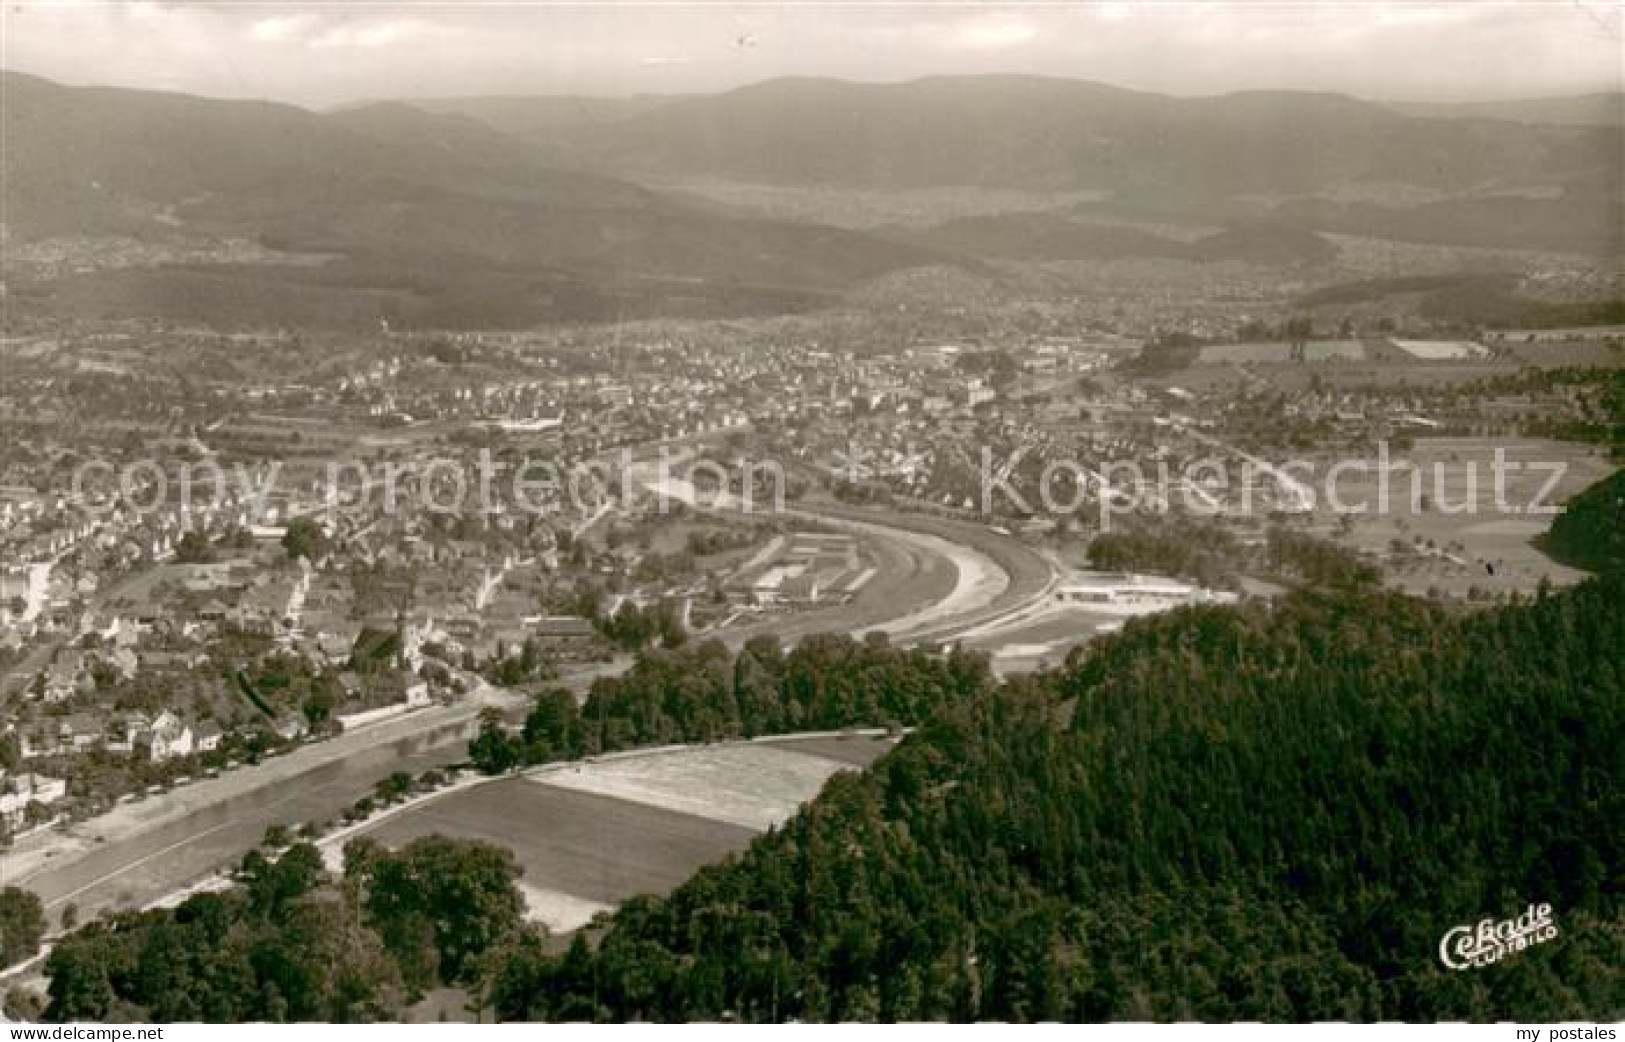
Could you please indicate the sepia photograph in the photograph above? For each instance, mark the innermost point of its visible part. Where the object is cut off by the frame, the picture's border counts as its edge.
(812, 512)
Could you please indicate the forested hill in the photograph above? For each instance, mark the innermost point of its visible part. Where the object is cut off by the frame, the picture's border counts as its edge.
(1270, 812)
(1590, 533)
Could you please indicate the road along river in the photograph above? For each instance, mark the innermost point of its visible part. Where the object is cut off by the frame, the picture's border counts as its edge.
(138, 851)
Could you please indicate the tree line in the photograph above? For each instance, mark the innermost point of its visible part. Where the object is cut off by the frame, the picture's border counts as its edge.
(704, 693)
(1212, 555)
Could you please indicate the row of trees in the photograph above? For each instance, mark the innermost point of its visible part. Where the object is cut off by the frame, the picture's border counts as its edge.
(703, 693)
(1212, 556)
(1600, 419)
(632, 627)
(1316, 562)
(1203, 552)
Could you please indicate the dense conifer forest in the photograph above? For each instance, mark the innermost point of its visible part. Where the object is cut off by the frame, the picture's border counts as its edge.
(1269, 812)
(1590, 533)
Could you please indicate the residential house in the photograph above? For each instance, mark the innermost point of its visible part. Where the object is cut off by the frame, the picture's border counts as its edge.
(208, 736)
(18, 792)
(124, 660)
(169, 737)
(173, 659)
(63, 675)
(290, 725)
(565, 629)
(78, 731)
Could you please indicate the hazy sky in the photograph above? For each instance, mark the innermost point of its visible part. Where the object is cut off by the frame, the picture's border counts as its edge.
(325, 53)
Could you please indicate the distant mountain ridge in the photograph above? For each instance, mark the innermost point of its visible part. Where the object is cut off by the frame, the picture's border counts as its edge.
(432, 218)
(530, 117)
(1050, 237)
(507, 211)
(1603, 109)
(1023, 131)
(1280, 157)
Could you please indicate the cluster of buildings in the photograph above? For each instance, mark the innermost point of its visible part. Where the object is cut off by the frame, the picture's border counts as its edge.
(139, 618)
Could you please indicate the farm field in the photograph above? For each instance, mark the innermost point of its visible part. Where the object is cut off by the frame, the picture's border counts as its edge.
(1547, 353)
(594, 849)
(1345, 374)
(590, 835)
(1214, 371)
(1279, 351)
(859, 750)
(752, 786)
(1459, 537)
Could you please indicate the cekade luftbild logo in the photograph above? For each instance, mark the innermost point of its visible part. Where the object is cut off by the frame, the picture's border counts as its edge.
(1466, 947)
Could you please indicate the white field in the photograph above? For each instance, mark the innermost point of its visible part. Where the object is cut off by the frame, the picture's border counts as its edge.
(753, 786)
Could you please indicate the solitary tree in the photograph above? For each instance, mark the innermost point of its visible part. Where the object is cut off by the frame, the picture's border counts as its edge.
(494, 750)
(22, 924)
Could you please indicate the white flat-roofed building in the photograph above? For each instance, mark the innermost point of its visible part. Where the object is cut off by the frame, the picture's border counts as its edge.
(1135, 594)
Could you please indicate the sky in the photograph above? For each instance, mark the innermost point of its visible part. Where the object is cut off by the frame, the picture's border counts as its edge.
(324, 54)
